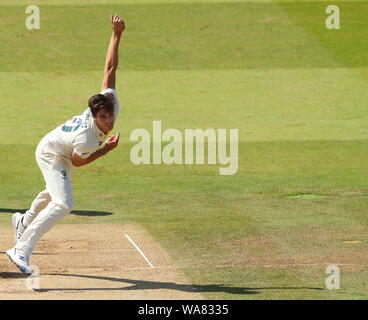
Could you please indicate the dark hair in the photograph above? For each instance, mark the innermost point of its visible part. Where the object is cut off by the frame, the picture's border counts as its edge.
(98, 102)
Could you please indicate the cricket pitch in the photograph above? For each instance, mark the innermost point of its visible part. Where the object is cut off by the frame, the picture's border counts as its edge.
(94, 261)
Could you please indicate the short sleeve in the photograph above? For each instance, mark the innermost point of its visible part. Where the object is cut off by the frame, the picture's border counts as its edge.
(81, 147)
(82, 152)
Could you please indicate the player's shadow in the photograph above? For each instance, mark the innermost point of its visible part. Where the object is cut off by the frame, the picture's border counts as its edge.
(154, 285)
(76, 212)
(13, 275)
(91, 213)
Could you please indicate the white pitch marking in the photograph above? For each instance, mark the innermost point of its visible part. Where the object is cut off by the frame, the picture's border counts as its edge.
(88, 251)
(140, 251)
(227, 266)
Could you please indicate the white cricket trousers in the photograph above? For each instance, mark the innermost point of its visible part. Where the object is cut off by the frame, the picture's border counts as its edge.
(50, 205)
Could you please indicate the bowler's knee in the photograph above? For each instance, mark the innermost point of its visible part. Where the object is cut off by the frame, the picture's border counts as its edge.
(69, 205)
(44, 196)
(65, 205)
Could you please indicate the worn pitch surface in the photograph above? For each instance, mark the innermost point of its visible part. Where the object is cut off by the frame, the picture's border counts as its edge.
(94, 262)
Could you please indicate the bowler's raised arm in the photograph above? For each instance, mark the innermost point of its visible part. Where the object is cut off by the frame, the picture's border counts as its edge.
(112, 60)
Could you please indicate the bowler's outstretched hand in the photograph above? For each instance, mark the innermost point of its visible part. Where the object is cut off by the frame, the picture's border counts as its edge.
(112, 142)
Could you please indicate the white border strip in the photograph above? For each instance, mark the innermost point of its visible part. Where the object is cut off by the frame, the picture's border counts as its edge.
(139, 250)
(229, 266)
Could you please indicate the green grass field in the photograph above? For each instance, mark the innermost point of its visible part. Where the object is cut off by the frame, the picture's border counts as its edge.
(296, 92)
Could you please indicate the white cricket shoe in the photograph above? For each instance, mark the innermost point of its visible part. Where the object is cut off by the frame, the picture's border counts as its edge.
(17, 220)
(20, 260)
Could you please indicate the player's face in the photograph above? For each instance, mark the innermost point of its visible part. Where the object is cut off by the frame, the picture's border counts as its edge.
(104, 120)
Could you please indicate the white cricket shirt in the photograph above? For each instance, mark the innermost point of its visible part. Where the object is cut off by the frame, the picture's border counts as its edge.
(79, 134)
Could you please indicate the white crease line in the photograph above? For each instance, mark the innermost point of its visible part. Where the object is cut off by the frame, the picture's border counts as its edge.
(88, 251)
(79, 251)
(308, 265)
(245, 266)
(140, 251)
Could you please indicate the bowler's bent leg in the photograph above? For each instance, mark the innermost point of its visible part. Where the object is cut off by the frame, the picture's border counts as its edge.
(38, 204)
(59, 187)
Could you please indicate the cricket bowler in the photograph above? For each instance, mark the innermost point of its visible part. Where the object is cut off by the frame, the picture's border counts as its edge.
(75, 143)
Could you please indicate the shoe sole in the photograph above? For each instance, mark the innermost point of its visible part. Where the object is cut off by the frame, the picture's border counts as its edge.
(21, 268)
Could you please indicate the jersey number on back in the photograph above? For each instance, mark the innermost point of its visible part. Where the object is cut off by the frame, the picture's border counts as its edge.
(72, 125)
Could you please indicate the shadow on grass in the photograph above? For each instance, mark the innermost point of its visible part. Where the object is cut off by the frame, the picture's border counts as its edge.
(153, 285)
(76, 212)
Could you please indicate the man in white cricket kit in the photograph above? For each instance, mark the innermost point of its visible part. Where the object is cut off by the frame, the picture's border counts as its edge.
(75, 143)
